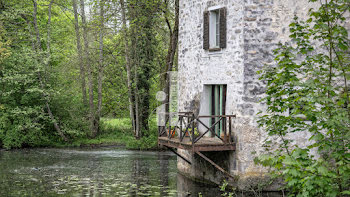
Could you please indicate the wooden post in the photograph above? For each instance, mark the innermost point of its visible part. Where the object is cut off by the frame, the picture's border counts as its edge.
(169, 131)
(181, 128)
(193, 130)
(225, 130)
(229, 129)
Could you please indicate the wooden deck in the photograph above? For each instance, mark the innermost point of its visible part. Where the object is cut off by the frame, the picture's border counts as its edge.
(178, 136)
(204, 144)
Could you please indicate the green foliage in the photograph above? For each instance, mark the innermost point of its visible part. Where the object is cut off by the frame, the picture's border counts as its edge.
(143, 14)
(223, 188)
(28, 79)
(24, 120)
(21, 114)
(308, 92)
(149, 140)
(115, 99)
(116, 132)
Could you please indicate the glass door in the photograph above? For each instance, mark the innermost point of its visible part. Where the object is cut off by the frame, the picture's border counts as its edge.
(217, 105)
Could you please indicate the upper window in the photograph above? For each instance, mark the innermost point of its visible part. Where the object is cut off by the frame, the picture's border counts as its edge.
(214, 29)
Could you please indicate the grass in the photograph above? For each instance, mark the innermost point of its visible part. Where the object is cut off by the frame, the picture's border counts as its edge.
(118, 132)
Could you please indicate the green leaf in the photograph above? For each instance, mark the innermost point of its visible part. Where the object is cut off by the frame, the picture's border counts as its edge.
(322, 170)
(342, 46)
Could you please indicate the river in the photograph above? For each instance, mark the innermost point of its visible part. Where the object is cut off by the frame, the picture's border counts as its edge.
(94, 172)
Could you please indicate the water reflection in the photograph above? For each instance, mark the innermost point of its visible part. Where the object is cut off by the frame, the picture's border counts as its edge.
(102, 172)
(186, 187)
(164, 172)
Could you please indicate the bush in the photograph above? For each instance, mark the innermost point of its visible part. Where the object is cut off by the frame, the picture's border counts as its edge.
(308, 92)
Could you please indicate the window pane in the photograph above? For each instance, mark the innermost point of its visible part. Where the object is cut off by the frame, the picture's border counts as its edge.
(217, 40)
(214, 34)
(212, 30)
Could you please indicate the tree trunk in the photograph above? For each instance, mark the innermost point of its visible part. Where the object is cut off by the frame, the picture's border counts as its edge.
(128, 68)
(100, 69)
(80, 53)
(87, 62)
(135, 62)
(39, 49)
(137, 100)
(49, 34)
(173, 42)
(36, 29)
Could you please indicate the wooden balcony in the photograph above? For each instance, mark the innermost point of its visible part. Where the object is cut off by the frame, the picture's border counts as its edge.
(185, 135)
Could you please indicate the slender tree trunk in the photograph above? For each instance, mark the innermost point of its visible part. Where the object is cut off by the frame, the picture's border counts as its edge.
(100, 69)
(173, 42)
(49, 34)
(128, 68)
(36, 29)
(39, 49)
(135, 62)
(174, 36)
(80, 53)
(137, 100)
(88, 66)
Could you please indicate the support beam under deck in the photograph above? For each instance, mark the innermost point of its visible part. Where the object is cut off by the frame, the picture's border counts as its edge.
(214, 164)
(176, 153)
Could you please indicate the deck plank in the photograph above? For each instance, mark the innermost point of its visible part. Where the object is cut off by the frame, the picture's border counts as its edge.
(204, 144)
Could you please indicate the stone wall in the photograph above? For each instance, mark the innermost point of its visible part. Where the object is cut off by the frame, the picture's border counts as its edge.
(254, 27)
(265, 24)
(197, 66)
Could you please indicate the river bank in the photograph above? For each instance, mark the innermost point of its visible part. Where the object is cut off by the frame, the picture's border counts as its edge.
(113, 133)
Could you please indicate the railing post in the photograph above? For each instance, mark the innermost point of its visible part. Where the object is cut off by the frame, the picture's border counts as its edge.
(225, 131)
(169, 131)
(229, 129)
(192, 129)
(181, 128)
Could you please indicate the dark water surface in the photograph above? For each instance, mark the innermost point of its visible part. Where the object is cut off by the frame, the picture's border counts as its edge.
(94, 172)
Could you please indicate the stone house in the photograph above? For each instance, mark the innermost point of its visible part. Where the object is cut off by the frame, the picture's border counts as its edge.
(222, 44)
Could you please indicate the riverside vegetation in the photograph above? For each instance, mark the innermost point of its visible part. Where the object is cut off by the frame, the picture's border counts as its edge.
(118, 132)
(308, 94)
(67, 65)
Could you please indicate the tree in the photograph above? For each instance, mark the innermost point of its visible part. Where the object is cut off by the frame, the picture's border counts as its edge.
(119, 49)
(92, 116)
(308, 92)
(142, 16)
(34, 111)
(173, 42)
(128, 69)
(80, 52)
(39, 50)
(100, 67)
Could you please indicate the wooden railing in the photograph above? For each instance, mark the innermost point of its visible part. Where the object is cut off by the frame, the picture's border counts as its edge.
(188, 123)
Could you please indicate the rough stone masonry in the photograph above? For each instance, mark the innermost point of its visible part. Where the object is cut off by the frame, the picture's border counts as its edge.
(254, 27)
